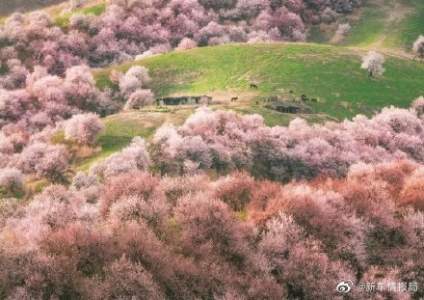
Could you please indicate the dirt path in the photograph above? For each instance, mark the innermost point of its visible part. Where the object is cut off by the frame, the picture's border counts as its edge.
(395, 13)
(395, 53)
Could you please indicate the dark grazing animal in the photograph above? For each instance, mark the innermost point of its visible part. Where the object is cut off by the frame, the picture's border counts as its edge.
(304, 98)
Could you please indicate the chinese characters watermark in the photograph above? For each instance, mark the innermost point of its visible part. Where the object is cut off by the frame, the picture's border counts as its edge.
(345, 286)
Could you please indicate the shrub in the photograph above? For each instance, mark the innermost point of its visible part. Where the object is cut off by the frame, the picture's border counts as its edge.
(139, 99)
(11, 180)
(341, 32)
(418, 105)
(132, 158)
(84, 128)
(373, 63)
(44, 160)
(418, 47)
(134, 79)
(186, 44)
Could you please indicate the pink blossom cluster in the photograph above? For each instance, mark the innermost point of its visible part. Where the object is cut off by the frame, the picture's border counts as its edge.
(225, 141)
(83, 128)
(132, 158)
(132, 86)
(32, 114)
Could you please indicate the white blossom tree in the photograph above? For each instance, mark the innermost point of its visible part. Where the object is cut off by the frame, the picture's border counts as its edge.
(84, 128)
(373, 63)
(418, 47)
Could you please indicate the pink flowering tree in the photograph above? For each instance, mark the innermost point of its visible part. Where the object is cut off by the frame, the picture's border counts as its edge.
(44, 160)
(139, 99)
(132, 158)
(11, 180)
(84, 129)
(135, 78)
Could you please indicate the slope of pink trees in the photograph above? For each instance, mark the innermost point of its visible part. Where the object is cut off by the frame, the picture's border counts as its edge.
(221, 207)
(227, 141)
(120, 231)
(223, 141)
(129, 28)
(30, 114)
(234, 237)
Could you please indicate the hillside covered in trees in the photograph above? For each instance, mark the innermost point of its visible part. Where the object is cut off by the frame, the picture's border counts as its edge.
(197, 149)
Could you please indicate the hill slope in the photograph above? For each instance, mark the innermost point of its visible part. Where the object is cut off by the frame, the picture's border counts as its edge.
(330, 74)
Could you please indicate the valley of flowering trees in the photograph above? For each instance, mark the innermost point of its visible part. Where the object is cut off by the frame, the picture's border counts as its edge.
(219, 207)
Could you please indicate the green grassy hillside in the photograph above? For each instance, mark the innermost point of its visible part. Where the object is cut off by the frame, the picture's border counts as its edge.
(330, 74)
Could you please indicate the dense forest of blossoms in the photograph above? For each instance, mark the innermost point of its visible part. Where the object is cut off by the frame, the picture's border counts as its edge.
(129, 28)
(221, 141)
(139, 236)
(322, 203)
(44, 78)
(222, 207)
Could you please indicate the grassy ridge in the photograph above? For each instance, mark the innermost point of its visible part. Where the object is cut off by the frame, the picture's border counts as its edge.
(331, 74)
